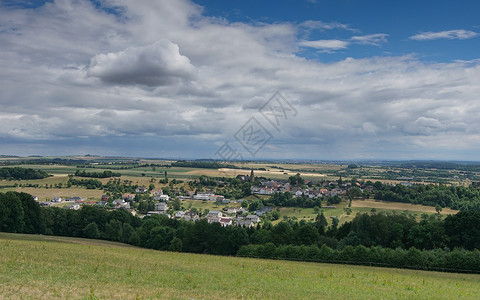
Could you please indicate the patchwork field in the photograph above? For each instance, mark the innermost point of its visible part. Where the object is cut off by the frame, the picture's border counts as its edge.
(39, 267)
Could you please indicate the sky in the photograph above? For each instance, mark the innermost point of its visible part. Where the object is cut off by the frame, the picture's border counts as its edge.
(241, 79)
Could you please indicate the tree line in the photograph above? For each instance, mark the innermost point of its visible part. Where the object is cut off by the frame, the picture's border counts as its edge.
(455, 197)
(393, 239)
(104, 174)
(22, 173)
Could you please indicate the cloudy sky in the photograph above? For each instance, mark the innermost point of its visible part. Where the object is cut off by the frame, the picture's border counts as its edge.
(303, 79)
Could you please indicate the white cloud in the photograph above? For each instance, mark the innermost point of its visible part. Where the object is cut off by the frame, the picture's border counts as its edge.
(371, 39)
(458, 34)
(160, 75)
(325, 44)
(321, 26)
(154, 65)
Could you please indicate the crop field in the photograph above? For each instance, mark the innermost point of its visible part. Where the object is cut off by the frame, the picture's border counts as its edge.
(47, 194)
(398, 206)
(41, 267)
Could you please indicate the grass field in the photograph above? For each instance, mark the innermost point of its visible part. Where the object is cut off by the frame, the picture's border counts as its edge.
(382, 205)
(39, 267)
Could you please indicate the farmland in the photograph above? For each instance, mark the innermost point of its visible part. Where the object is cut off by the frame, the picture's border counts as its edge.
(143, 172)
(42, 267)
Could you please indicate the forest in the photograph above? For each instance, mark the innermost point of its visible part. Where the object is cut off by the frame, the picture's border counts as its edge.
(22, 173)
(397, 240)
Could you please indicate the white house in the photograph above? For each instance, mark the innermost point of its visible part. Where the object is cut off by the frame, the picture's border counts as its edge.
(74, 206)
(231, 210)
(202, 196)
(214, 216)
(161, 206)
(179, 214)
(120, 203)
(57, 199)
(163, 198)
(141, 189)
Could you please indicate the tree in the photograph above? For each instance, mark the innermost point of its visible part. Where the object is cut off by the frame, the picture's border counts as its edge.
(91, 231)
(176, 245)
(176, 204)
(296, 180)
(282, 233)
(12, 213)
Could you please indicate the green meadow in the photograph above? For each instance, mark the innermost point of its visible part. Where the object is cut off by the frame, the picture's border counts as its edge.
(44, 267)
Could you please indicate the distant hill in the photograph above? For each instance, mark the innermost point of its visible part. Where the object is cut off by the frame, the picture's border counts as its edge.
(45, 267)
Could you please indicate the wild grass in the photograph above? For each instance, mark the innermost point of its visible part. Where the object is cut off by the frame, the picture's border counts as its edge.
(36, 267)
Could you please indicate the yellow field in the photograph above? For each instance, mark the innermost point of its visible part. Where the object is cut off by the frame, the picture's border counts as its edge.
(399, 206)
(47, 194)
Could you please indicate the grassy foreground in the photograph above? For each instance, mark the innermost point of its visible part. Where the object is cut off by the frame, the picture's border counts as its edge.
(33, 267)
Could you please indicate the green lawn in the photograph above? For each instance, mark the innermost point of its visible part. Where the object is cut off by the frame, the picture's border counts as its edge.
(39, 267)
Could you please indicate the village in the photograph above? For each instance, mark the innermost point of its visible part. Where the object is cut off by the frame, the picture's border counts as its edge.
(231, 212)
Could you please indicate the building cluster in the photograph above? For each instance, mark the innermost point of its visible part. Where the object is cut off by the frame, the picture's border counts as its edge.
(327, 189)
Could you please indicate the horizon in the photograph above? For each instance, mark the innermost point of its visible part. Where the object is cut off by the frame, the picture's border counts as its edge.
(254, 160)
(279, 80)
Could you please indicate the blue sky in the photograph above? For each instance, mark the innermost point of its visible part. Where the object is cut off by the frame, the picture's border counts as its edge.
(192, 79)
(399, 20)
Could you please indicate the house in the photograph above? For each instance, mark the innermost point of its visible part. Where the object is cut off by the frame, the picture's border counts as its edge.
(120, 203)
(128, 196)
(253, 218)
(151, 213)
(141, 189)
(73, 206)
(262, 190)
(244, 223)
(231, 210)
(105, 197)
(179, 214)
(57, 199)
(156, 192)
(226, 221)
(217, 198)
(215, 213)
(161, 206)
(191, 216)
(45, 204)
(241, 210)
(214, 216)
(35, 198)
(263, 210)
(74, 199)
(163, 198)
(159, 196)
(203, 195)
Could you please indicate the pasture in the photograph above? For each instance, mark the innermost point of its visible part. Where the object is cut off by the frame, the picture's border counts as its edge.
(42, 267)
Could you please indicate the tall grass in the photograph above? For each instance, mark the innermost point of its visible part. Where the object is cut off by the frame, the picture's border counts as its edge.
(54, 267)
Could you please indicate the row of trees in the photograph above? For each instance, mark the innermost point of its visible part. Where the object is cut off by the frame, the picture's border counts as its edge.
(287, 199)
(22, 173)
(457, 260)
(104, 174)
(455, 197)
